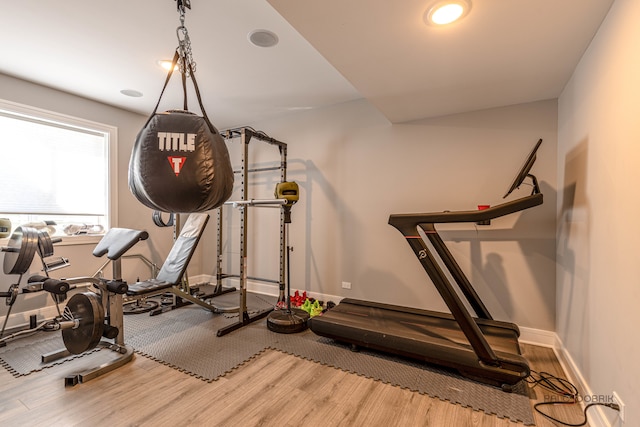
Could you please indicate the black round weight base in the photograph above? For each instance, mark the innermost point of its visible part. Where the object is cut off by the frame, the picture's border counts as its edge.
(287, 321)
(139, 307)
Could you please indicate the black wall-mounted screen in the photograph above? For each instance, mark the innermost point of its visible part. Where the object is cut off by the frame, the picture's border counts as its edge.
(524, 170)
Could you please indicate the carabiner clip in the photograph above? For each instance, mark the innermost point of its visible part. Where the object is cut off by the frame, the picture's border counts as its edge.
(182, 30)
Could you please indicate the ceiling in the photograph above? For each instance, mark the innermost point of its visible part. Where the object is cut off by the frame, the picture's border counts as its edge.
(503, 52)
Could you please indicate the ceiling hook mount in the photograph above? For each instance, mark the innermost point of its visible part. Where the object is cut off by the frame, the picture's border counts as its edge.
(186, 63)
(182, 4)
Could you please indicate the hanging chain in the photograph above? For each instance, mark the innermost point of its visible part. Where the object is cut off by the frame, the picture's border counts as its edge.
(184, 42)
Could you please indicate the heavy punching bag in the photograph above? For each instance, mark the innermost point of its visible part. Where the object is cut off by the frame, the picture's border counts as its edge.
(179, 162)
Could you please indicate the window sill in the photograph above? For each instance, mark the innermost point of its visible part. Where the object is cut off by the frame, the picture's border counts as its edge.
(86, 239)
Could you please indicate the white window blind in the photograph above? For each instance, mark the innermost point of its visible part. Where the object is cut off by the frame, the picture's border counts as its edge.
(53, 167)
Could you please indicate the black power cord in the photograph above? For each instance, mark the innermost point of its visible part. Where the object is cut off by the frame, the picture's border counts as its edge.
(566, 390)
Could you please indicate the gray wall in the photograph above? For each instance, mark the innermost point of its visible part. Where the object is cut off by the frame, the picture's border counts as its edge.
(355, 168)
(598, 157)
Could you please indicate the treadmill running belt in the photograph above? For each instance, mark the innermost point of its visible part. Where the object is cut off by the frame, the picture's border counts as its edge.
(423, 335)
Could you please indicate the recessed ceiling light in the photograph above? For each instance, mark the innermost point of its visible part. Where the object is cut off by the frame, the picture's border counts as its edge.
(166, 64)
(444, 12)
(263, 38)
(131, 92)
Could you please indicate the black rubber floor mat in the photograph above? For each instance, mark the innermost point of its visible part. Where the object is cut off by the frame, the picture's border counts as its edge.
(185, 339)
(24, 356)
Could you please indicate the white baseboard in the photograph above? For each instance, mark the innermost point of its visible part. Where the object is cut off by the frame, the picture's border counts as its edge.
(538, 337)
(262, 288)
(252, 286)
(20, 320)
(597, 417)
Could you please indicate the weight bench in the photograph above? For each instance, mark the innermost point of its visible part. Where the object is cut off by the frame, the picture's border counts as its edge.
(93, 315)
(169, 278)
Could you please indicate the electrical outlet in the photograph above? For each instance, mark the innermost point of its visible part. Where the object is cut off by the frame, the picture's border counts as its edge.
(346, 285)
(618, 401)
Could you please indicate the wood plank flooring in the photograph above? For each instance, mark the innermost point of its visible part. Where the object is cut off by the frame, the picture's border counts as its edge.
(273, 389)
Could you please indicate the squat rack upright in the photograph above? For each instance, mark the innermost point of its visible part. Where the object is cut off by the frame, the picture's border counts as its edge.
(246, 134)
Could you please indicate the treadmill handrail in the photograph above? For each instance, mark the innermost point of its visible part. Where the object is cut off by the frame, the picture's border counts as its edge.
(407, 223)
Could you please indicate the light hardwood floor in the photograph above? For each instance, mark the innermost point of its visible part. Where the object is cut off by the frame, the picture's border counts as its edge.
(273, 389)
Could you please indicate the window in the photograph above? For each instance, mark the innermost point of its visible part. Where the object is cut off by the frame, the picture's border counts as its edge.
(56, 168)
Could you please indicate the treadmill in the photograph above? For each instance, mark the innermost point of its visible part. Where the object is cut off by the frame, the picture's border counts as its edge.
(478, 347)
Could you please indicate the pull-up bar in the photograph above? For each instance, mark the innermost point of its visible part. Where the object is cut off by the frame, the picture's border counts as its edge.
(255, 202)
